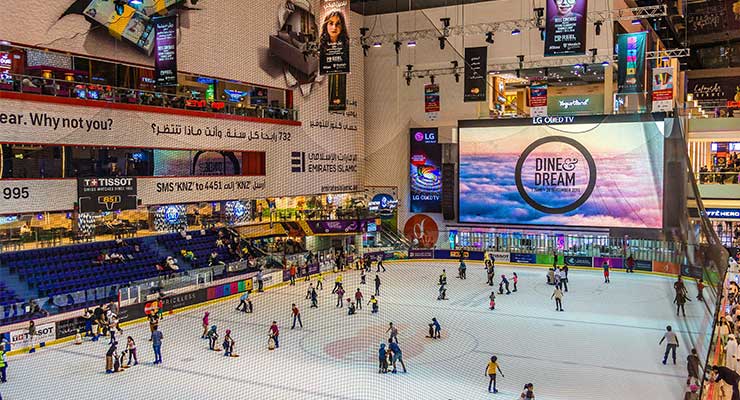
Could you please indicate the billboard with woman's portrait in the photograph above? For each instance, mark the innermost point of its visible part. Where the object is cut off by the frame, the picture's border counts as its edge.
(334, 37)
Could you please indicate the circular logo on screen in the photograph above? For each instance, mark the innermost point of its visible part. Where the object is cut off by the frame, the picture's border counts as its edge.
(555, 175)
(422, 231)
(419, 136)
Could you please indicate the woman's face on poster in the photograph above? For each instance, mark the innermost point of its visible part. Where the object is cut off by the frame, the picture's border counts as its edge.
(565, 7)
(334, 28)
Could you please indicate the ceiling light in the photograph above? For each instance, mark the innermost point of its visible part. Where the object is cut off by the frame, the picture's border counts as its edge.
(489, 37)
(636, 22)
(411, 43)
(377, 44)
(516, 31)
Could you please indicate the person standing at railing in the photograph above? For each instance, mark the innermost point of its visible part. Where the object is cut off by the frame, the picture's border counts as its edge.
(730, 377)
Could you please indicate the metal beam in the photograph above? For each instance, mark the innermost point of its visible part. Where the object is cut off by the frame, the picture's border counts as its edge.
(508, 26)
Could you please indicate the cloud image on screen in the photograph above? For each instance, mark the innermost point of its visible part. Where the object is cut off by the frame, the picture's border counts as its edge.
(628, 186)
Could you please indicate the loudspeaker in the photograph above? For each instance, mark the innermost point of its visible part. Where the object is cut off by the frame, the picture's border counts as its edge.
(448, 191)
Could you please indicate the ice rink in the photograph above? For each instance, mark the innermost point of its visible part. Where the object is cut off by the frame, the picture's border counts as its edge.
(604, 346)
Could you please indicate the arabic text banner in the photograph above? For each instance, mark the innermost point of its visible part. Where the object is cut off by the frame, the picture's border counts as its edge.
(603, 174)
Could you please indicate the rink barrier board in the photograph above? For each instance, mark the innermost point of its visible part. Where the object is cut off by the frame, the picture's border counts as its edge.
(208, 302)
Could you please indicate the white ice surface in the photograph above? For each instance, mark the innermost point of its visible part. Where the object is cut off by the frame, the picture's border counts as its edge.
(604, 346)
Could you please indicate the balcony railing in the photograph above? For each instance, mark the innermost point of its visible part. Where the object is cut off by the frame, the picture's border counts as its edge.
(106, 93)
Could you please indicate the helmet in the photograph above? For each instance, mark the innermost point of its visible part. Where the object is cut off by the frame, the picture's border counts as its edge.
(213, 328)
(228, 331)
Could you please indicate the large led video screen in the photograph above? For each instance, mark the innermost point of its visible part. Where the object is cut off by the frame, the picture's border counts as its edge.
(562, 171)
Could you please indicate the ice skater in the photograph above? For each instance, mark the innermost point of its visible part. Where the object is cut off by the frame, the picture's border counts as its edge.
(340, 297)
(212, 338)
(564, 278)
(156, 339)
(314, 299)
(393, 332)
(443, 277)
(363, 277)
(680, 301)
(228, 344)
(109, 356)
(382, 360)
(374, 304)
(309, 290)
(515, 279)
(337, 283)
(320, 281)
(243, 302)
(491, 370)
(351, 308)
(437, 333)
(693, 364)
(359, 298)
(679, 286)
(504, 282)
(260, 281)
(292, 273)
(377, 285)
(205, 324)
(88, 316)
(131, 349)
(557, 294)
(490, 274)
(462, 271)
(380, 264)
(296, 315)
(275, 334)
(671, 343)
(700, 290)
(442, 292)
(605, 266)
(397, 355)
(492, 301)
(528, 392)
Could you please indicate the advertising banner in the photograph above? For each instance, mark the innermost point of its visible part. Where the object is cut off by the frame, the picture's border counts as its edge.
(431, 101)
(572, 174)
(643, 265)
(691, 271)
(726, 89)
(425, 173)
(578, 261)
(662, 89)
(576, 105)
(523, 258)
(566, 27)
(499, 256)
(338, 92)
(476, 70)
(165, 51)
(632, 47)
(710, 17)
(538, 99)
(416, 253)
(106, 194)
(422, 231)
(339, 226)
(44, 333)
(455, 254)
(666, 267)
(384, 205)
(334, 37)
(613, 262)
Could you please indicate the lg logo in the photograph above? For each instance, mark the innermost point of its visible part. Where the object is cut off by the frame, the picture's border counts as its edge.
(426, 137)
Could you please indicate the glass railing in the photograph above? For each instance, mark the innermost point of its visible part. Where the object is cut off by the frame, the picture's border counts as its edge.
(106, 93)
(720, 177)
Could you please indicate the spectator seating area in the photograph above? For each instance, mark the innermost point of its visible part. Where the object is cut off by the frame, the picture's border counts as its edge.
(67, 269)
(7, 295)
(201, 246)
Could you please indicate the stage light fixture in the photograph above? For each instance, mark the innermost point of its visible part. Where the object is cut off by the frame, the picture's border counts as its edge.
(489, 37)
(431, 79)
(597, 27)
(515, 32)
(397, 46)
(377, 44)
(636, 22)
(411, 43)
(442, 40)
(542, 34)
(136, 2)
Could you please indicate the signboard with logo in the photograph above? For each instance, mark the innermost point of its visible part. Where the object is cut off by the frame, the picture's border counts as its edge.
(723, 213)
(425, 173)
(334, 37)
(383, 204)
(523, 258)
(431, 101)
(538, 99)
(422, 231)
(578, 261)
(632, 47)
(339, 226)
(612, 262)
(724, 89)
(416, 253)
(577, 174)
(165, 51)
(662, 89)
(44, 333)
(576, 105)
(337, 92)
(106, 194)
(476, 70)
(499, 256)
(643, 265)
(566, 27)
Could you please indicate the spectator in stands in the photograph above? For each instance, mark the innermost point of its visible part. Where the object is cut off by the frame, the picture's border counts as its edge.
(214, 261)
(137, 248)
(116, 257)
(172, 264)
(119, 242)
(187, 255)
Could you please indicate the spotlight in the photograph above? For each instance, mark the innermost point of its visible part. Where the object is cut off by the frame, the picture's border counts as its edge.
(408, 80)
(593, 54)
(445, 22)
(377, 44)
(135, 2)
(431, 79)
(636, 22)
(518, 73)
(442, 40)
(666, 59)
(364, 31)
(539, 12)
(515, 32)
(409, 69)
(397, 46)
(411, 43)
(365, 48)
(455, 64)
(118, 6)
(489, 37)
(457, 77)
(542, 34)
(605, 64)
(597, 27)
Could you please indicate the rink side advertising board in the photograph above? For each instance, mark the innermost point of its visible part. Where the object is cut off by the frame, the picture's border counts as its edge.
(523, 258)
(44, 333)
(578, 261)
(421, 253)
(613, 262)
(643, 265)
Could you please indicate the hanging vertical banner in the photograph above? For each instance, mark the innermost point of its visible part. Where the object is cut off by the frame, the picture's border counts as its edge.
(538, 99)
(662, 89)
(566, 27)
(431, 101)
(476, 64)
(338, 92)
(631, 50)
(426, 162)
(334, 38)
(165, 51)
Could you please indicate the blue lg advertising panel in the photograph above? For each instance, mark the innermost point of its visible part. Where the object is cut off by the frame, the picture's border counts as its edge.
(425, 177)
